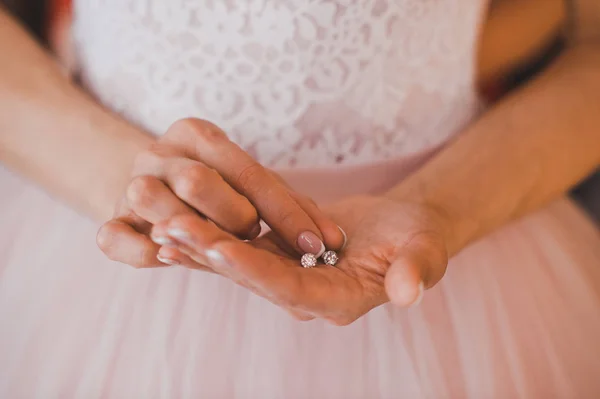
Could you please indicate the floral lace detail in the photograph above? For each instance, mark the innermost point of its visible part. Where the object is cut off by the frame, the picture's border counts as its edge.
(295, 82)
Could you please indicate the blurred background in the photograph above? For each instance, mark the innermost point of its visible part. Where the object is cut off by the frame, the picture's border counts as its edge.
(500, 72)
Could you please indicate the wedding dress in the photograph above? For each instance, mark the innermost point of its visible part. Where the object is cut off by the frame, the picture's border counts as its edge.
(341, 97)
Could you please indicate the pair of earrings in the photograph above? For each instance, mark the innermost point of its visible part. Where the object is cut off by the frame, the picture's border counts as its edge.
(310, 260)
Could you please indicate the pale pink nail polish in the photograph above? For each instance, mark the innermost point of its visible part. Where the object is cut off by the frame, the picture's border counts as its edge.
(216, 258)
(167, 261)
(310, 243)
(345, 237)
(162, 240)
(181, 235)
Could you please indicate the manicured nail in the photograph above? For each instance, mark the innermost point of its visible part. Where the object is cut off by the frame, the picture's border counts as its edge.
(180, 235)
(419, 296)
(345, 238)
(162, 240)
(310, 243)
(216, 257)
(167, 261)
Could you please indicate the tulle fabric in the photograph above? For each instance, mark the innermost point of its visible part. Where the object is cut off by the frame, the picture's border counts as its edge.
(517, 316)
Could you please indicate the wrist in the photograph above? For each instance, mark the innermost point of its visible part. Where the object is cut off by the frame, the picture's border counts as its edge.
(126, 142)
(456, 229)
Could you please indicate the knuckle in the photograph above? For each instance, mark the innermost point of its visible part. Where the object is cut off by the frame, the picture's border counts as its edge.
(141, 190)
(250, 176)
(193, 182)
(184, 125)
(239, 217)
(197, 128)
(186, 189)
(286, 217)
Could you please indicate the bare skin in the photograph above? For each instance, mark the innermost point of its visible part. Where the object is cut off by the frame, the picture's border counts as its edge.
(533, 155)
(516, 31)
(534, 145)
(69, 128)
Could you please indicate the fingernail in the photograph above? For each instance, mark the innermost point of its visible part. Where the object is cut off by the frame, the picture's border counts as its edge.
(167, 261)
(180, 235)
(216, 257)
(161, 240)
(420, 295)
(309, 242)
(345, 238)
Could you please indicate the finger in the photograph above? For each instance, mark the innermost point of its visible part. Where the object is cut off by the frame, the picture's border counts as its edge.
(334, 236)
(122, 243)
(326, 292)
(174, 257)
(151, 199)
(305, 293)
(272, 200)
(202, 188)
(166, 256)
(275, 277)
(196, 234)
(176, 253)
(194, 238)
(421, 264)
(123, 213)
(206, 191)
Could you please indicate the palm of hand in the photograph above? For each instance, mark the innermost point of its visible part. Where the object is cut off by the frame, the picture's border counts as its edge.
(394, 250)
(381, 233)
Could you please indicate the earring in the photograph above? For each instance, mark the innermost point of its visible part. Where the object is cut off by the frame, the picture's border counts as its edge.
(308, 261)
(330, 258)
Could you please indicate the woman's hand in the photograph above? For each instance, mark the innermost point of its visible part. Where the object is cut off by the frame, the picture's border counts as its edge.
(395, 250)
(195, 170)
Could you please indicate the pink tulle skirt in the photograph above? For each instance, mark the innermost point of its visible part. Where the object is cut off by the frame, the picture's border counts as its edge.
(517, 316)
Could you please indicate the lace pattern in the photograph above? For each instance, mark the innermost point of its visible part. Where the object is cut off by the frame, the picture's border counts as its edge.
(297, 83)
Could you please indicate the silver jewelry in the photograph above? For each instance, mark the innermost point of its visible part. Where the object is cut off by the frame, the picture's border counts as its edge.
(330, 258)
(308, 261)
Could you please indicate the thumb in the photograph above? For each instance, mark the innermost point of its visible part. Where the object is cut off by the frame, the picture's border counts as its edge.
(420, 264)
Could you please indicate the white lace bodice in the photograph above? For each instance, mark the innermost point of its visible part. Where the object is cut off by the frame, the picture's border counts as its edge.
(295, 82)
